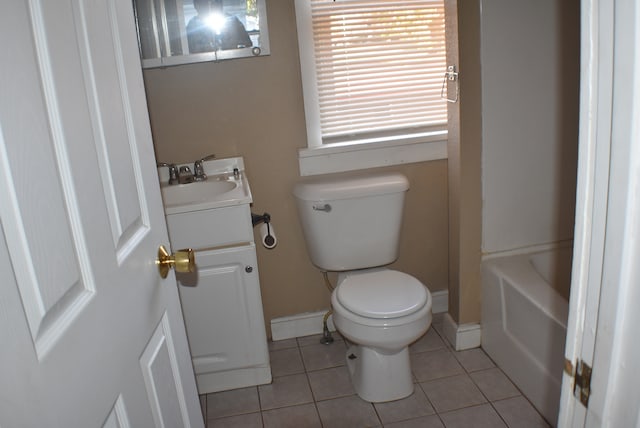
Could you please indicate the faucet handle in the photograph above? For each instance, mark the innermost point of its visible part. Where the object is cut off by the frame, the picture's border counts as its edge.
(173, 171)
(198, 170)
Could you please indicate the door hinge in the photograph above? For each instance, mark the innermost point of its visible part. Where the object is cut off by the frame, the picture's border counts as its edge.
(581, 375)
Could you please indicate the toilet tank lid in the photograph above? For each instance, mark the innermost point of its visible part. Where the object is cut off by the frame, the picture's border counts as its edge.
(352, 186)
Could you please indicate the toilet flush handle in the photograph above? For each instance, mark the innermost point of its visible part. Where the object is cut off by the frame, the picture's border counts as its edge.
(326, 208)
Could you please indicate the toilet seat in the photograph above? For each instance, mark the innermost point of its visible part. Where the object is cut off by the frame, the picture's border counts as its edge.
(381, 293)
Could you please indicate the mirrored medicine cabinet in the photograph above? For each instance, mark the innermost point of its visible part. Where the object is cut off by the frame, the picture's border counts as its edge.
(175, 32)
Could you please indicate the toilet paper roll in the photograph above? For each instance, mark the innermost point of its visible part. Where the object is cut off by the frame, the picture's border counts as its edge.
(268, 236)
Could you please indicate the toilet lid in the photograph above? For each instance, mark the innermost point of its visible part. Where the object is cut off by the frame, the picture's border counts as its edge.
(381, 294)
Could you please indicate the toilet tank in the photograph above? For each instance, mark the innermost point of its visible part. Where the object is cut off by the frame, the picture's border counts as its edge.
(352, 222)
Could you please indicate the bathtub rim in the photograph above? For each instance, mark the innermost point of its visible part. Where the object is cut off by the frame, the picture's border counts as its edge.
(538, 382)
(516, 268)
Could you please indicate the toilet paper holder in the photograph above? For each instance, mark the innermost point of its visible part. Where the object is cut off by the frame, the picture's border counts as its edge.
(258, 218)
(267, 235)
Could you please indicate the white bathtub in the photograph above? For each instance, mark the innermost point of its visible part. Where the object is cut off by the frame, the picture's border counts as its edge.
(524, 321)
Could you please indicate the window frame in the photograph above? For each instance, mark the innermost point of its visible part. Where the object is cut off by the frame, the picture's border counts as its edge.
(358, 153)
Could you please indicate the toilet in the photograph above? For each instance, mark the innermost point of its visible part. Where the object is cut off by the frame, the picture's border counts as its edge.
(352, 226)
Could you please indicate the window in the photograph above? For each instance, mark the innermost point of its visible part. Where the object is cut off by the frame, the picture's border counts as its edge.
(372, 75)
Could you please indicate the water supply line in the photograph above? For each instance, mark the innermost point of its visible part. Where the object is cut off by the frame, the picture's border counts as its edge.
(326, 339)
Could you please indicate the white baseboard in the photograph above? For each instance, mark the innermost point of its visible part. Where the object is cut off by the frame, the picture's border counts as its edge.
(299, 325)
(233, 379)
(440, 301)
(309, 323)
(461, 337)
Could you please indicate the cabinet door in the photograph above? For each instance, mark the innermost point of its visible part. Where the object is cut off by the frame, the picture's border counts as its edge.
(223, 311)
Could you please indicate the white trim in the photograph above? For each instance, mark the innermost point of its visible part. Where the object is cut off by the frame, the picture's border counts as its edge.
(596, 82)
(461, 337)
(308, 73)
(439, 301)
(342, 157)
(568, 243)
(233, 379)
(318, 158)
(603, 316)
(309, 323)
(299, 325)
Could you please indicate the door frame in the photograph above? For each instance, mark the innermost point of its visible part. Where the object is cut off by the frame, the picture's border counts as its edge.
(606, 272)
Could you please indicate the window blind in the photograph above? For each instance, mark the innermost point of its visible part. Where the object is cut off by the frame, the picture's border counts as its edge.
(379, 65)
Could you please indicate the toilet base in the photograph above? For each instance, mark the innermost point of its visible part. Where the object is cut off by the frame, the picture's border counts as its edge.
(378, 376)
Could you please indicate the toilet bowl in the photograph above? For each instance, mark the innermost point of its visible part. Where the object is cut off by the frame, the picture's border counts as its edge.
(352, 226)
(381, 312)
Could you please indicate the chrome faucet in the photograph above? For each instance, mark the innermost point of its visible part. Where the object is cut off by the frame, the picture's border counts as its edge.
(198, 170)
(173, 172)
(185, 175)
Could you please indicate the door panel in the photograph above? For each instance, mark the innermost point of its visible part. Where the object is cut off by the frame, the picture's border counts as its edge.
(109, 107)
(81, 302)
(166, 398)
(118, 416)
(54, 290)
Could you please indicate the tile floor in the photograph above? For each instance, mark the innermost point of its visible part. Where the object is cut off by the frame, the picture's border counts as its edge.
(311, 388)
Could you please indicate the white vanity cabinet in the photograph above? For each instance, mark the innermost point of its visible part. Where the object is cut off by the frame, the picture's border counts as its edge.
(221, 301)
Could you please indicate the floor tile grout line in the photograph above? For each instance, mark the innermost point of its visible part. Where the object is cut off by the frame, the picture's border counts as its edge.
(260, 405)
(495, 366)
(315, 402)
(466, 372)
(304, 366)
(488, 401)
(471, 407)
(429, 401)
(375, 409)
(500, 415)
(205, 411)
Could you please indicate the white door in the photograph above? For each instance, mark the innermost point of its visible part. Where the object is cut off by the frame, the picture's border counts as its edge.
(89, 333)
(603, 321)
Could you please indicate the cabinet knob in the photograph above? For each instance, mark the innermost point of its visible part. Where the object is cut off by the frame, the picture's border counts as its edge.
(248, 269)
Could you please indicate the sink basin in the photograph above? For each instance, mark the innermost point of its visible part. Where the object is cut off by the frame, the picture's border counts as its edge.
(198, 191)
(221, 188)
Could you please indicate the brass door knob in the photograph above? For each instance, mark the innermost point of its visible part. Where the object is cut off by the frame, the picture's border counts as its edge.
(182, 261)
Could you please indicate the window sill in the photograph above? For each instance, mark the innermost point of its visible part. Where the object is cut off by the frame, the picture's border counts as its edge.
(351, 156)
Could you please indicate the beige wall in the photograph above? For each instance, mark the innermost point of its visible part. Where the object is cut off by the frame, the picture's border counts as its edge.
(465, 190)
(530, 124)
(557, 115)
(253, 108)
